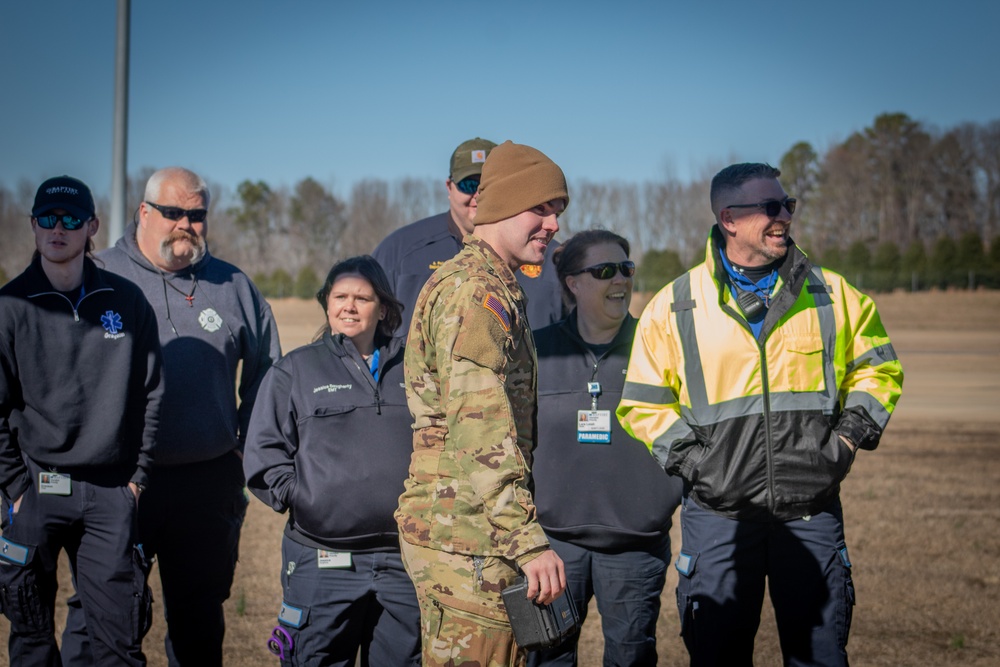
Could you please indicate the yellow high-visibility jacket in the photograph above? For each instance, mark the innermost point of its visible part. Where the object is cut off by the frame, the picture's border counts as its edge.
(753, 425)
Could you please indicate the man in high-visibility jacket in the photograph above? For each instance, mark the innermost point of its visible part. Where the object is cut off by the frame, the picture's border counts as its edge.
(756, 377)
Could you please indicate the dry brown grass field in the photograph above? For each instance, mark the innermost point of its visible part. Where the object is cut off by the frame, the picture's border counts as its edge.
(922, 512)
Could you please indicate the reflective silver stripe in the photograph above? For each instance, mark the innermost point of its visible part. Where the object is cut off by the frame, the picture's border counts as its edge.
(701, 413)
(661, 447)
(647, 393)
(874, 357)
(695, 374)
(827, 332)
(865, 400)
(745, 406)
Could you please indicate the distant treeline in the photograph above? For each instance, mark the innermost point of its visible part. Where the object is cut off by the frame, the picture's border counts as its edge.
(896, 205)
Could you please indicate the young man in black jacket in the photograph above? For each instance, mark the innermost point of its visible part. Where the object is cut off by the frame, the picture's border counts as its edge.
(79, 405)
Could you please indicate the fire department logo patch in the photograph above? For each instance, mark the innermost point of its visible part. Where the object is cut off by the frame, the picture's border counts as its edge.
(210, 320)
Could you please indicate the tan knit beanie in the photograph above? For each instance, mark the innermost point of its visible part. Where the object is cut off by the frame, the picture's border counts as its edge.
(516, 178)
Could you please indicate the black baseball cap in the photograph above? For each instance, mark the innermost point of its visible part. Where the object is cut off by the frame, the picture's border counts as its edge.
(65, 192)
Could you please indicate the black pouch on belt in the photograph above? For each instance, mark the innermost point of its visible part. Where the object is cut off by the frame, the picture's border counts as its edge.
(537, 626)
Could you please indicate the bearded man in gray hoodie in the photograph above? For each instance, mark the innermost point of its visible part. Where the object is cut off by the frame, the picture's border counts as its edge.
(211, 319)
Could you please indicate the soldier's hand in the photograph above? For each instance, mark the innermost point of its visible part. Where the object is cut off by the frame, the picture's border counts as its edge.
(546, 577)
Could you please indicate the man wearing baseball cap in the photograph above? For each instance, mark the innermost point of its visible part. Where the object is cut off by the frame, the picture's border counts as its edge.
(467, 520)
(410, 254)
(79, 408)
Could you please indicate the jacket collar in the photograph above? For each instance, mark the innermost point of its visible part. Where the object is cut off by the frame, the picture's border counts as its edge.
(793, 270)
(342, 346)
(571, 327)
(38, 283)
(495, 264)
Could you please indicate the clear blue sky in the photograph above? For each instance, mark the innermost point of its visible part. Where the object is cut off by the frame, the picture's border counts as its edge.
(343, 90)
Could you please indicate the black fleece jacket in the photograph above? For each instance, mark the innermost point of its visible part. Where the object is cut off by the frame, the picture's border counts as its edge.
(79, 382)
(332, 445)
(606, 497)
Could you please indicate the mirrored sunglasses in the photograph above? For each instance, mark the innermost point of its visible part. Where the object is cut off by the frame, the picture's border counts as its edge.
(175, 213)
(69, 222)
(607, 270)
(468, 185)
(771, 208)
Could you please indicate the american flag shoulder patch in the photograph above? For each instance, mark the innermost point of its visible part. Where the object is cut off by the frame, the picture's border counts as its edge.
(492, 304)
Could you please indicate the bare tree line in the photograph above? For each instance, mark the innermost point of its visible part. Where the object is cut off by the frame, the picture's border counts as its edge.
(896, 182)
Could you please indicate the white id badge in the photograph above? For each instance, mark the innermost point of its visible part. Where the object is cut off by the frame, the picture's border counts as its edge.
(54, 483)
(593, 426)
(332, 559)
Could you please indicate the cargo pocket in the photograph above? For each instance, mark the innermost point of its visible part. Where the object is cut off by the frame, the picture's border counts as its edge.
(686, 606)
(142, 595)
(846, 612)
(460, 633)
(19, 596)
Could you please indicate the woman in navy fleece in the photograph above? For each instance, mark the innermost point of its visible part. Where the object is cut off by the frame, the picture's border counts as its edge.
(604, 502)
(330, 442)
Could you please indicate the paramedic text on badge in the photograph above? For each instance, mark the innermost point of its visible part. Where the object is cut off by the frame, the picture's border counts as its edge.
(593, 426)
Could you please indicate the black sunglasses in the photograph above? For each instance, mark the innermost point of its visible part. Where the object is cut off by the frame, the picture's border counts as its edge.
(607, 270)
(175, 213)
(69, 222)
(771, 208)
(468, 185)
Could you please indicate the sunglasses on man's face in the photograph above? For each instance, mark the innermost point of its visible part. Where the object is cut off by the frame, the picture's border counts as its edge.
(69, 222)
(468, 185)
(771, 208)
(607, 270)
(175, 213)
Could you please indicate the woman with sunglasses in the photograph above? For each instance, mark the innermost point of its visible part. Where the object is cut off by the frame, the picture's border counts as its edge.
(330, 442)
(605, 504)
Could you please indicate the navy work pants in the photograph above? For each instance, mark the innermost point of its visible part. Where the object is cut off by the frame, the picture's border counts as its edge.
(189, 519)
(723, 565)
(95, 524)
(331, 613)
(627, 586)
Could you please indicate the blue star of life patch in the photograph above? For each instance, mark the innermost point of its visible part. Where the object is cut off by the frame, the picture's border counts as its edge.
(112, 322)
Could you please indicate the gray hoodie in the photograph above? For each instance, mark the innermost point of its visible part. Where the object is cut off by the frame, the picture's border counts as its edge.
(204, 339)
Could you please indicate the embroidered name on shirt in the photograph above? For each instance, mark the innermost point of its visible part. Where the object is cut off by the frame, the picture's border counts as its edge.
(331, 388)
(492, 304)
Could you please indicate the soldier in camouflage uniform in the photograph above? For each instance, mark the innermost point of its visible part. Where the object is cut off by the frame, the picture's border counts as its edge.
(466, 519)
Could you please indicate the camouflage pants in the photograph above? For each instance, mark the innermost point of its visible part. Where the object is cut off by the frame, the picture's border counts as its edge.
(462, 617)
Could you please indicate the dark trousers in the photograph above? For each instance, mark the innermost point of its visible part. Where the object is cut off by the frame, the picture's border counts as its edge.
(627, 586)
(189, 519)
(723, 565)
(333, 613)
(95, 524)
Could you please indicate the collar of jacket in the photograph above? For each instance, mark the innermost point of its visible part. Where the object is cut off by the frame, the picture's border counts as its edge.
(342, 346)
(793, 270)
(626, 332)
(496, 265)
(37, 282)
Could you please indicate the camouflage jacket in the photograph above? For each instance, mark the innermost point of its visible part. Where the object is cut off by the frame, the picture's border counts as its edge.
(471, 383)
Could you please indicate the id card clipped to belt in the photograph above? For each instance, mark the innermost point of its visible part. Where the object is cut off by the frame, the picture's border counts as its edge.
(593, 425)
(54, 484)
